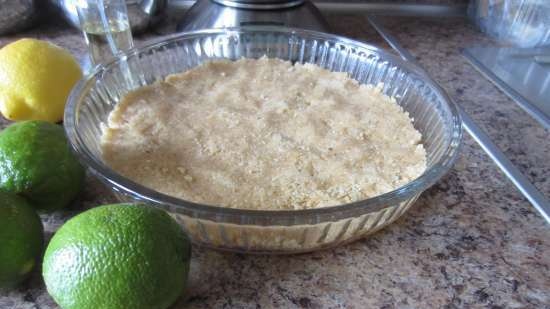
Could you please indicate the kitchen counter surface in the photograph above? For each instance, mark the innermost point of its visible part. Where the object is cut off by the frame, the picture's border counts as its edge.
(472, 240)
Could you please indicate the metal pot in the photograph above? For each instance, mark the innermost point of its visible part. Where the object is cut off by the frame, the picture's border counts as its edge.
(260, 4)
(141, 13)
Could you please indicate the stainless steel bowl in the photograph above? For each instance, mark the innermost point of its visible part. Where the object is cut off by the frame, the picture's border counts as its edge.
(257, 231)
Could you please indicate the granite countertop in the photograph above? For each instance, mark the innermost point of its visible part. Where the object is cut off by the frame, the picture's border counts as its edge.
(472, 240)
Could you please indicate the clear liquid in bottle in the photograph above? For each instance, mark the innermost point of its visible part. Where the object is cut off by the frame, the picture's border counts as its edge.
(98, 42)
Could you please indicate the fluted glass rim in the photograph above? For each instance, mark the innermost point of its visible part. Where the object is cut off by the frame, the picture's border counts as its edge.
(283, 217)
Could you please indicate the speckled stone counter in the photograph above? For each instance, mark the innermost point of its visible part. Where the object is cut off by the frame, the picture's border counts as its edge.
(471, 241)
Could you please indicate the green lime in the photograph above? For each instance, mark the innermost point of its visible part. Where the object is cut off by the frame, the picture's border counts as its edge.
(36, 163)
(21, 239)
(117, 256)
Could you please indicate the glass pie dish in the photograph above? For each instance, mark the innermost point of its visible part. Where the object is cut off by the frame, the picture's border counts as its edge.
(261, 231)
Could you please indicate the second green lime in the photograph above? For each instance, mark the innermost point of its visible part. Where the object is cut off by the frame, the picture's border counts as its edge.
(21, 239)
(118, 257)
(36, 163)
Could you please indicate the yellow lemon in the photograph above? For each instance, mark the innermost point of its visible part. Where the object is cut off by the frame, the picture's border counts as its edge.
(35, 80)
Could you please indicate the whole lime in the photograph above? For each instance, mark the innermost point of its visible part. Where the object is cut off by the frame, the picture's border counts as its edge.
(36, 163)
(117, 256)
(21, 239)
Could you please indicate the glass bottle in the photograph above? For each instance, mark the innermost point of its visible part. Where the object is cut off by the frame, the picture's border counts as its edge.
(106, 28)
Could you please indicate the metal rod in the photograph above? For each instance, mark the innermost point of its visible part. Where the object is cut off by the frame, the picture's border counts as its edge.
(537, 199)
